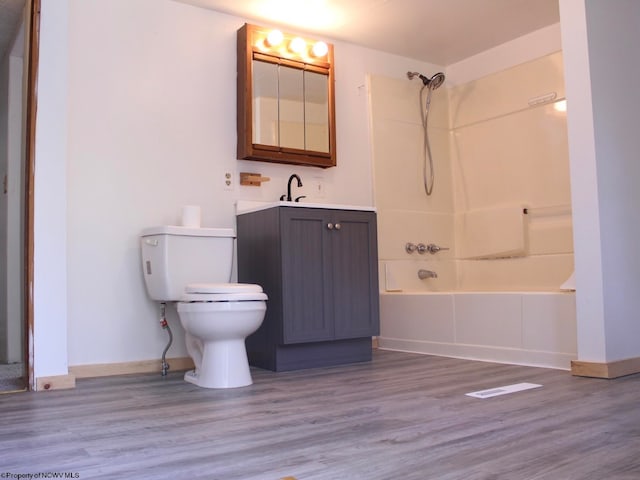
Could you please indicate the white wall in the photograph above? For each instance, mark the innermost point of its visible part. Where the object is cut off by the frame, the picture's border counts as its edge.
(601, 62)
(613, 35)
(150, 128)
(50, 202)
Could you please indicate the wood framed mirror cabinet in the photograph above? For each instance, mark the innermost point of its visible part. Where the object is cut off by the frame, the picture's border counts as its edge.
(286, 105)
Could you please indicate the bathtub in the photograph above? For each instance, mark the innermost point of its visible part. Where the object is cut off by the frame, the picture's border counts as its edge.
(524, 328)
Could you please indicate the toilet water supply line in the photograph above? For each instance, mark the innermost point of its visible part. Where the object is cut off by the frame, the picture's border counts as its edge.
(165, 325)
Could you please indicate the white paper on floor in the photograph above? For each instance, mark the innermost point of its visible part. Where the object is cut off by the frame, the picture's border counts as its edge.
(494, 392)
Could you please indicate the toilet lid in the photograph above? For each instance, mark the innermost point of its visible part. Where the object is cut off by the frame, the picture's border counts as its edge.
(223, 288)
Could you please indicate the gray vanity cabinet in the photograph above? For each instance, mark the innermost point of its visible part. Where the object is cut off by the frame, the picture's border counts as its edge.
(319, 270)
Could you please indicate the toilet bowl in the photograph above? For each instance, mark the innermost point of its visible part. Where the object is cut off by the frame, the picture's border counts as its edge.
(217, 318)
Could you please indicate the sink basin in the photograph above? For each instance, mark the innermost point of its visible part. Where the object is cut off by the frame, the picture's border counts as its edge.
(247, 206)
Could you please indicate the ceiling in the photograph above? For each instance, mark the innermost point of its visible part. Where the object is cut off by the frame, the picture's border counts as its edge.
(441, 32)
(10, 15)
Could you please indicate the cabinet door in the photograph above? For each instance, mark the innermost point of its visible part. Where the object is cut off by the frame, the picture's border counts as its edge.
(305, 275)
(354, 274)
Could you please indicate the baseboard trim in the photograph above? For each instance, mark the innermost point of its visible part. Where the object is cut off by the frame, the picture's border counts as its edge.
(609, 370)
(57, 382)
(482, 353)
(127, 368)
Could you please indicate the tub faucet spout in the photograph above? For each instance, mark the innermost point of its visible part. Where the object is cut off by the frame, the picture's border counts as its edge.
(422, 274)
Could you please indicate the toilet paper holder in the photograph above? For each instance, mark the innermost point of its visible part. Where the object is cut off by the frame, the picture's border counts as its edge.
(252, 179)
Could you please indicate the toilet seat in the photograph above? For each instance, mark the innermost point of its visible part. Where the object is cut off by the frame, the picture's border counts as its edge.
(223, 292)
(223, 288)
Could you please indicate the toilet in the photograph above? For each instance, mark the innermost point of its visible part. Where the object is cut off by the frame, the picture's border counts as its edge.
(192, 266)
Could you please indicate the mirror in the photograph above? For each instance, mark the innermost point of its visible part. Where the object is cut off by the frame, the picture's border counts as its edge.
(316, 107)
(285, 100)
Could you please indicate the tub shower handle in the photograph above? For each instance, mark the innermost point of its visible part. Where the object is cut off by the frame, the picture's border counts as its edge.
(432, 248)
(421, 248)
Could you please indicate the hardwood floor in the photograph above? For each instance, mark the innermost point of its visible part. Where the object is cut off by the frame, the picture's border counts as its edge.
(402, 416)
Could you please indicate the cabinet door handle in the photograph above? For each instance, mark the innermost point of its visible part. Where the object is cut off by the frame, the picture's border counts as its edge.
(330, 226)
(338, 226)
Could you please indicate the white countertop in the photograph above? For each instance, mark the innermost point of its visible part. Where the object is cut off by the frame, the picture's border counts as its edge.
(248, 206)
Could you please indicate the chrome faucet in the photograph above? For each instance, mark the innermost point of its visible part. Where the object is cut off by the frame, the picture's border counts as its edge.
(421, 248)
(432, 248)
(288, 197)
(422, 274)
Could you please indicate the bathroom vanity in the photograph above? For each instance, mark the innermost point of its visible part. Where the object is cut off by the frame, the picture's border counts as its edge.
(319, 267)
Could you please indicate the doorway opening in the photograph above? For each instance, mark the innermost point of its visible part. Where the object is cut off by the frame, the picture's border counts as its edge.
(18, 70)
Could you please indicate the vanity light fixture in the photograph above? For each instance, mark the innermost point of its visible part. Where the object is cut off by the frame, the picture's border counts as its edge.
(278, 43)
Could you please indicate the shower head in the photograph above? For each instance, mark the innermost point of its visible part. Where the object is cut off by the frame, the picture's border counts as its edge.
(433, 82)
(436, 80)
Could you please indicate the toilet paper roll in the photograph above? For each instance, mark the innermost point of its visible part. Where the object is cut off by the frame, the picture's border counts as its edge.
(191, 216)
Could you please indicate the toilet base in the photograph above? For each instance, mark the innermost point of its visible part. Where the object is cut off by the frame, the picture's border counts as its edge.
(224, 364)
(192, 377)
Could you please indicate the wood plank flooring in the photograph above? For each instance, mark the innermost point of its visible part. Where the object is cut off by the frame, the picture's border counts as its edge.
(402, 416)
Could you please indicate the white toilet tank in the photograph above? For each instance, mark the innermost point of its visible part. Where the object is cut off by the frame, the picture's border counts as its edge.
(173, 257)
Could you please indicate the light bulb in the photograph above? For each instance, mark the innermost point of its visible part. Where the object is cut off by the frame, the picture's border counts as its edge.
(320, 49)
(297, 45)
(274, 38)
